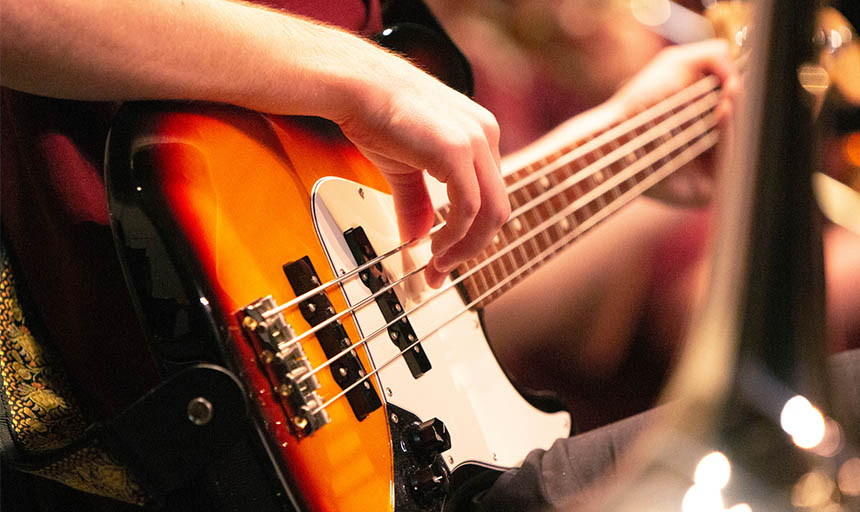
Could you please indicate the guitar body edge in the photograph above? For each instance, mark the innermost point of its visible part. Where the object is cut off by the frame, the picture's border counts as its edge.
(208, 203)
(216, 188)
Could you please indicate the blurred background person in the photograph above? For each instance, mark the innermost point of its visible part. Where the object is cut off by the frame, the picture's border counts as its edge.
(615, 306)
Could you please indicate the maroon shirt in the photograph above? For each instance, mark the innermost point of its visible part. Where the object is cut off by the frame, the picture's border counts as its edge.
(56, 226)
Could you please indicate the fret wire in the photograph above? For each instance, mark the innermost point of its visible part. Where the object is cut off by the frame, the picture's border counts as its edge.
(495, 274)
(629, 159)
(556, 202)
(504, 262)
(613, 145)
(517, 200)
(707, 85)
(471, 282)
(697, 145)
(541, 208)
(653, 131)
(529, 219)
(529, 216)
(665, 136)
(517, 256)
(643, 164)
(686, 151)
(476, 278)
(703, 144)
(487, 275)
(582, 187)
(647, 147)
(597, 178)
(570, 193)
(521, 250)
(483, 274)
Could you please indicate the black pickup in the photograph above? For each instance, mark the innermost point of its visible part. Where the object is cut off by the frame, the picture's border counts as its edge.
(400, 331)
(333, 338)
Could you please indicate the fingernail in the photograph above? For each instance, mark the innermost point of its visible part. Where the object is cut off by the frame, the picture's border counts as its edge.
(443, 267)
(434, 280)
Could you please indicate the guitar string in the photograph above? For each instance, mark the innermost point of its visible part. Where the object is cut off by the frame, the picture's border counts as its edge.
(701, 145)
(705, 85)
(616, 155)
(544, 225)
(352, 273)
(643, 118)
(555, 190)
(573, 207)
(531, 234)
(589, 170)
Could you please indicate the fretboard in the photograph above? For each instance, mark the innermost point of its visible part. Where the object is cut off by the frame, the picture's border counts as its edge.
(556, 199)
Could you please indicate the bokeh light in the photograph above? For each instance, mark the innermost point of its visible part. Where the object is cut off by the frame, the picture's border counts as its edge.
(812, 490)
(803, 422)
(849, 477)
(701, 498)
(714, 470)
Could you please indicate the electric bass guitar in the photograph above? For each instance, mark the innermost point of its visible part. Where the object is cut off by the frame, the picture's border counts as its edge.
(268, 245)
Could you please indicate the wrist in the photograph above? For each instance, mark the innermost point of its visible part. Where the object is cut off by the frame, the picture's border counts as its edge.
(351, 76)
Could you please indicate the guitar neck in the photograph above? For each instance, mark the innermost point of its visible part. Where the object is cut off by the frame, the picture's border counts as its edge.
(560, 196)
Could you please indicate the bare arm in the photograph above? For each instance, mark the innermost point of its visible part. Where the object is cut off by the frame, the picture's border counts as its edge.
(224, 51)
(194, 49)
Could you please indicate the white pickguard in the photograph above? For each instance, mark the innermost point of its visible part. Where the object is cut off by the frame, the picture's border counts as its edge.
(488, 420)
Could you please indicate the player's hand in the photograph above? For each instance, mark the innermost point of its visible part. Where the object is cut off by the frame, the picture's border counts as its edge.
(406, 121)
(668, 72)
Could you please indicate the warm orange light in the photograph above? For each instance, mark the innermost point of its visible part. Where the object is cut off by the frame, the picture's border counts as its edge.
(851, 148)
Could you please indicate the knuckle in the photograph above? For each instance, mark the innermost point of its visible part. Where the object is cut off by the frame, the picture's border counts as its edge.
(489, 121)
(497, 216)
(459, 144)
(477, 139)
(493, 131)
(470, 206)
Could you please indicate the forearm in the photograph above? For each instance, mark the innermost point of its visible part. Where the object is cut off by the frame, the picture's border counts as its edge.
(402, 119)
(195, 49)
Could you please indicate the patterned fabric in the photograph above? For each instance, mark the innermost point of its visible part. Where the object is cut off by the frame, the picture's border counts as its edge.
(42, 413)
(93, 470)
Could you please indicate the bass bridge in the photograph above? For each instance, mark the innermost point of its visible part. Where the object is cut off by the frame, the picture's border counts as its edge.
(285, 364)
(280, 353)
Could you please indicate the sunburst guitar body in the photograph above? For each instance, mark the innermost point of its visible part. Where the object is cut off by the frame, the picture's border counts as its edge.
(222, 214)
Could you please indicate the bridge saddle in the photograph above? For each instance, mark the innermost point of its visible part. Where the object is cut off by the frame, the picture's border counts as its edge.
(286, 366)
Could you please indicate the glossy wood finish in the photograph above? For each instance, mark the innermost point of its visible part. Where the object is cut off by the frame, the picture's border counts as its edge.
(238, 185)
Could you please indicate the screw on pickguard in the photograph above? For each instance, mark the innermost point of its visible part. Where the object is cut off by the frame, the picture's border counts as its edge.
(285, 364)
(346, 369)
(400, 330)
